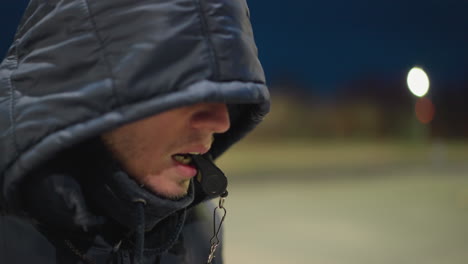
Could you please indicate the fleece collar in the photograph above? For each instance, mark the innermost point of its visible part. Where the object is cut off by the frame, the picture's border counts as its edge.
(84, 188)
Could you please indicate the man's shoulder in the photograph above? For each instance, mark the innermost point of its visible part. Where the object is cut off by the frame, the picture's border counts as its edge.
(20, 242)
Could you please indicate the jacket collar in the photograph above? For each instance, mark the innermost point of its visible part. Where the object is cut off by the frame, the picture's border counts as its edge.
(85, 187)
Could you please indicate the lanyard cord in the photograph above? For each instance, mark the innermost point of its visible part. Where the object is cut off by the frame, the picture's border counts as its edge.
(214, 241)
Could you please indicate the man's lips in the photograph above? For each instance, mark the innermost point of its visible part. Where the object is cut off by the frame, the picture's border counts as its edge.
(183, 159)
(184, 165)
(198, 149)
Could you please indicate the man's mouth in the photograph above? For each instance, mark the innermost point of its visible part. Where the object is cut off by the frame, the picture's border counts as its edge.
(185, 159)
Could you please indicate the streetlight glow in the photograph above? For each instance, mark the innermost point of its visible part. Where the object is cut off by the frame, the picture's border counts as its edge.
(418, 82)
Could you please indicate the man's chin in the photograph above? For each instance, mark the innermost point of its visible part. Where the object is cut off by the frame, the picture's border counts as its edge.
(175, 193)
(174, 196)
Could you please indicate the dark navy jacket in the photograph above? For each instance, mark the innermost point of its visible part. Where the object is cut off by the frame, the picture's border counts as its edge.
(78, 68)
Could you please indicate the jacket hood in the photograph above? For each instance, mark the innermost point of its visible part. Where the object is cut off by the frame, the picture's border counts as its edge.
(80, 67)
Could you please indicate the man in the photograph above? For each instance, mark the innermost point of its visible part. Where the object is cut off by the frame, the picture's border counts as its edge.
(110, 114)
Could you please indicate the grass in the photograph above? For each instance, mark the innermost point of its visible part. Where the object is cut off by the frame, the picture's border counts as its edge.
(296, 156)
(418, 217)
(412, 209)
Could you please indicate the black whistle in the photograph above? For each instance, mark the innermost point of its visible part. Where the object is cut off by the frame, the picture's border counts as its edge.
(212, 179)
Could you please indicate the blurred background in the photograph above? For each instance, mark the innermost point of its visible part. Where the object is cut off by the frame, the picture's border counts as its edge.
(363, 158)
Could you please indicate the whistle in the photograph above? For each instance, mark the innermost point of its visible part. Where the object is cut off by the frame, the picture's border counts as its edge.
(211, 178)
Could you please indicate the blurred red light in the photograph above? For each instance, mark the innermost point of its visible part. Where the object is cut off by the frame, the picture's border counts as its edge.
(425, 110)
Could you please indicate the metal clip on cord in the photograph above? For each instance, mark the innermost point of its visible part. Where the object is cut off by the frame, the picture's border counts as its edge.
(214, 183)
(214, 241)
(212, 179)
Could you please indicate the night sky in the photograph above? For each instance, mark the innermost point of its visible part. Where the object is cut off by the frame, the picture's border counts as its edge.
(326, 43)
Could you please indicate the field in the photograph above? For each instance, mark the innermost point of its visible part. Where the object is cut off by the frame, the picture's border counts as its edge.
(341, 202)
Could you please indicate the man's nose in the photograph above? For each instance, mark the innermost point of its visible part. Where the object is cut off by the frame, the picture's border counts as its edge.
(211, 117)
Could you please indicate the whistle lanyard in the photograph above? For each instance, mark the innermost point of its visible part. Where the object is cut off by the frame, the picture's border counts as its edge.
(215, 241)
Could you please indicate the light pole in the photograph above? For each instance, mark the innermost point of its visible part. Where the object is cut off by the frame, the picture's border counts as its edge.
(418, 84)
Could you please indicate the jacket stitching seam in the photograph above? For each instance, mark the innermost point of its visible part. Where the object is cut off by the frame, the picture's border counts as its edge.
(165, 247)
(174, 236)
(13, 102)
(204, 30)
(101, 49)
(25, 19)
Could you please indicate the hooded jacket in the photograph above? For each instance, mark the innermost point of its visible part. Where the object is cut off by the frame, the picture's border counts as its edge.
(78, 68)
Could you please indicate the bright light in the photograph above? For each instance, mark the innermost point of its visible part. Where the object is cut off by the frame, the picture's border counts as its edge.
(418, 82)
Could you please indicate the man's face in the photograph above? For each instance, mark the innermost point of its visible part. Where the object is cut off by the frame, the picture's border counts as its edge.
(146, 148)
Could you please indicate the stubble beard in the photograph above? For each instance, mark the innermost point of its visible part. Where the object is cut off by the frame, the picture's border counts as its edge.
(170, 196)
